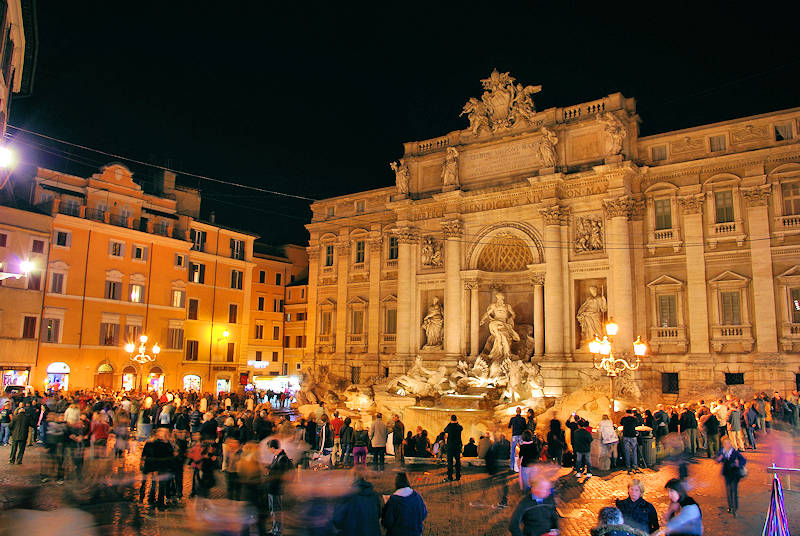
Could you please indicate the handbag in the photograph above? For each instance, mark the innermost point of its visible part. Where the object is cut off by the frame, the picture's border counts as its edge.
(742, 472)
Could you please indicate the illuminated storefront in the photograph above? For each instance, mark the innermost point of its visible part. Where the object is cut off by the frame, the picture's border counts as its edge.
(15, 377)
(223, 385)
(155, 380)
(129, 378)
(57, 376)
(277, 384)
(192, 382)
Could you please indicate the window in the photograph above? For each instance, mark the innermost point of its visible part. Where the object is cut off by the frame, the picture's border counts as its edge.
(109, 334)
(291, 278)
(198, 240)
(278, 278)
(790, 192)
(191, 314)
(191, 350)
(175, 338)
(262, 276)
(717, 143)
(325, 323)
(329, 255)
(357, 322)
(180, 260)
(355, 375)
(259, 331)
(62, 238)
(3, 240)
(734, 378)
(391, 321)
(57, 283)
(298, 340)
(360, 205)
(794, 305)
(140, 253)
(663, 213)
(50, 329)
(667, 311)
(132, 333)
(237, 249)
(723, 201)
(276, 333)
(669, 383)
(113, 290)
(261, 303)
(331, 212)
(178, 298)
(288, 317)
(783, 132)
(730, 308)
(302, 293)
(277, 306)
(37, 246)
(233, 309)
(258, 355)
(29, 327)
(385, 372)
(162, 228)
(274, 357)
(297, 366)
(197, 273)
(287, 342)
(359, 251)
(137, 293)
(301, 316)
(236, 279)
(116, 249)
(659, 152)
(34, 280)
(231, 350)
(393, 248)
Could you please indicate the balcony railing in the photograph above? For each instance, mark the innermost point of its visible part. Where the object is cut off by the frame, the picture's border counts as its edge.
(70, 210)
(789, 222)
(725, 231)
(668, 338)
(391, 264)
(664, 234)
(389, 338)
(740, 336)
(356, 338)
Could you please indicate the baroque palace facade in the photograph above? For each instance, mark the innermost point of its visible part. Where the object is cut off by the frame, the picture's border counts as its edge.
(688, 239)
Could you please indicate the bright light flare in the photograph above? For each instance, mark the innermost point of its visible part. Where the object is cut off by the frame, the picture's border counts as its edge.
(7, 158)
(143, 339)
(226, 333)
(594, 346)
(639, 348)
(605, 346)
(26, 266)
(130, 347)
(156, 349)
(612, 328)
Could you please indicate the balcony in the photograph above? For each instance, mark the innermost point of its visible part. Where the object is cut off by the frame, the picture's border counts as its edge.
(326, 344)
(391, 264)
(725, 232)
(664, 238)
(668, 339)
(790, 337)
(786, 225)
(732, 338)
(356, 343)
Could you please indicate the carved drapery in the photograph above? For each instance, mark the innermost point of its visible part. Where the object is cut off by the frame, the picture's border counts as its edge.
(505, 252)
(619, 207)
(692, 204)
(452, 228)
(757, 196)
(431, 254)
(554, 215)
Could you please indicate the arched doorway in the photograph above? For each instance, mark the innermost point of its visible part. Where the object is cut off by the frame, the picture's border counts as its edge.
(104, 377)
(129, 378)
(57, 376)
(155, 380)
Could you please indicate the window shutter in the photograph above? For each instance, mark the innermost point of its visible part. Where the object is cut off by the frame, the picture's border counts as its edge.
(202, 273)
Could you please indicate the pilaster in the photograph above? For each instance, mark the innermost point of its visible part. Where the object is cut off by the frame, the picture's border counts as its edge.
(374, 308)
(553, 216)
(618, 210)
(452, 304)
(696, 286)
(756, 200)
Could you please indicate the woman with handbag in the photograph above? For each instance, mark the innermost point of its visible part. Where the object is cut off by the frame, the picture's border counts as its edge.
(733, 470)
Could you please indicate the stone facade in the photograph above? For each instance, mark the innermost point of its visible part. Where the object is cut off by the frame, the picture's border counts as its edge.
(692, 238)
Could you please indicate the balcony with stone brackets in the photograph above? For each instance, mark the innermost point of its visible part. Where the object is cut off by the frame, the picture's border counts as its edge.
(664, 340)
(664, 238)
(725, 232)
(326, 344)
(356, 343)
(790, 337)
(388, 343)
(732, 339)
(784, 226)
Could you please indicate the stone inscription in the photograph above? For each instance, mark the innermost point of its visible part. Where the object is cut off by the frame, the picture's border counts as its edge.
(586, 146)
(491, 161)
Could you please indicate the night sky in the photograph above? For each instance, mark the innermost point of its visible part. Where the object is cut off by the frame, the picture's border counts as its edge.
(316, 99)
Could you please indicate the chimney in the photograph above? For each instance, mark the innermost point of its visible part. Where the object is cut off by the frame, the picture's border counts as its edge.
(168, 182)
(212, 217)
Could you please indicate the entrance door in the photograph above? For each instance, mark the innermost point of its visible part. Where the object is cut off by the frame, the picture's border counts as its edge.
(104, 380)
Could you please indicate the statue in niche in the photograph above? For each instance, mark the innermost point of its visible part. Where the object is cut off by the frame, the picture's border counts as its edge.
(477, 114)
(590, 315)
(588, 235)
(547, 148)
(401, 176)
(431, 254)
(500, 317)
(450, 169)
(433, 324)
(615, 130)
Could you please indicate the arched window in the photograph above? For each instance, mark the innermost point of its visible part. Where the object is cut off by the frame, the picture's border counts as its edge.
(505, 252)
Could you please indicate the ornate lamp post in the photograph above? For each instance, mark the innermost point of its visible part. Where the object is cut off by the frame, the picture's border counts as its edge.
(140, 355)
(613, 366)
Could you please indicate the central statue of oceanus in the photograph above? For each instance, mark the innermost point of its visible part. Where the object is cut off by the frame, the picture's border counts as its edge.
(500, 317)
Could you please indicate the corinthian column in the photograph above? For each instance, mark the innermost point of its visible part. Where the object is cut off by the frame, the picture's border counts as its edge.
(406, 239)
(554, 299)
(453, 320)
(538, 314)
(472, 286)
(619, 267)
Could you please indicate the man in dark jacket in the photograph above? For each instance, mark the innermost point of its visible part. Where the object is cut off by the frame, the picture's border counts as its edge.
(281, 464)
(346, 437)
(405, 511)
(582, 445)
(453, 437)
(19, 435)
(262, 426)
(517, 425)
(359, 513)
(688, 424)
(398, 435)
(536, 511)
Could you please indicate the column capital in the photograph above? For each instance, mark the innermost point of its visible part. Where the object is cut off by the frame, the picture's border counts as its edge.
(555, 215)
(313, 252)
(375, 243)
(343, 248)
(757, 195)
(471, 285)
(406, 235)
(637, 209)
(621, 207)
(692, 204)
(537, 279)
(452, 228)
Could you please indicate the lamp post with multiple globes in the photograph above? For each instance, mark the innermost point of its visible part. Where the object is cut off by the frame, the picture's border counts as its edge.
(614, 366)
(140, 355)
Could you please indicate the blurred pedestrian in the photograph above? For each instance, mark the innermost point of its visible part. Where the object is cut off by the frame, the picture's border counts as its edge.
(359, 513)
(405, 511)
(278, 470)
(536, 512)
(683, 516)
(610, 522)
(733, 469)
(19, 425)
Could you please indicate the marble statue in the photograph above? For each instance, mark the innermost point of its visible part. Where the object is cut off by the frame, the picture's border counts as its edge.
(477, 114)
(450, 169)
(500, 317)
(590, 315)
(401, 176)
(547, 148)
(433, 324)
(431, 254)
(523, 107)
(588, 235)
(420, 381)
(502, 105)
(615, 130)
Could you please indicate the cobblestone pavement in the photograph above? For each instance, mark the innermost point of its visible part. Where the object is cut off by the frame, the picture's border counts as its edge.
(460, 508)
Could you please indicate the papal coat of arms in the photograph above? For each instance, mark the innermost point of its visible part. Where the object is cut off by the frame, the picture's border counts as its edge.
(502, 105)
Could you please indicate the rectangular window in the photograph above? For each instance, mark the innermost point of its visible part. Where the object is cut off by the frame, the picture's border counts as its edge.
(790, 193)
(667, 311)
(331, 212)
(301, 316)
(38, 246)
(669, 383)
(191, 313)
(730, 315)
(274, 357)
(50, 329)
(197, 273)
(34, 280)
(325, 323)
(261, 303)
(175, 338)
(178, 298)
(302, 293)
(394, 250)
(391, 321)
(137, 293)
(385, 372)
(236, 279)
(259, 331)
(140, 253)
(298, 341)
(191, 350)
(723, 202)
(62, 239)
(3, 240)
(717, 143)
(734, 378)
(288, 317)
(659, 152)
(231, 351)
(233, 309)
(783, 132)
(663, 213)
(109, 334)
(794, 305)
(116, 249)
(360, 244)
(258, 355)
(113, 290)
(360, 205)
(278, 278)
(276, 333)
(287, 342)
(357, 322)
(29, 327)
(57, 283)
(262, 276)
(132, 333)
(198, 240)
(355, 375)
(329, 255)
(237, 249)
(180, 260)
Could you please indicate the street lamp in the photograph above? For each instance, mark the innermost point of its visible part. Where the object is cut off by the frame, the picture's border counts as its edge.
(142, 356)
(7, 162)
(603, 356)
(25, 267)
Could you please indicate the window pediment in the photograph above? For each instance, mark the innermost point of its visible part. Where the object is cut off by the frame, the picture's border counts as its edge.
(137, 278)
(179, 284)
(59, 265)
(790, 276)
(665, 282)
(391, 298)
(327, 304)
(729, 279)
(357, 302)
(114, 275)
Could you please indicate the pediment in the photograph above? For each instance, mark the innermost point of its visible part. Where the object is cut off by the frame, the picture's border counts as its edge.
(391, 298)
(114, 274)
(357, 300)
(792, 274)
(327, 302)
(729, 279)
(137, 278)
(179, 284)
(59, 265)
(665, 280)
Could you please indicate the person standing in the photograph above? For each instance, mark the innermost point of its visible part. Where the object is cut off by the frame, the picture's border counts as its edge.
(710, 426)
(336, 426)
(732, 471)
(281, 464)
(582, 446)
(377, 438)
(536, 512)
(359, 513)
(610, 439)
(19, 425)
(398, 433)
(360, 442)
(405, 512)
(688, 428)
(637, 512)
(517, 425)
(5, 422)
(495, 461)
(751, 421)
(346, 438)
(452, 434)
(528, 454)
(629, 445)
(683, 516)
(556, 442)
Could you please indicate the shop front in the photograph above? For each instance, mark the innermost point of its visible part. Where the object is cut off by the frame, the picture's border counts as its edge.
(155, 380)
(13, 377)
(277, 384)
(57, 377)
(192, 382)
(129, 378)
(223, 384)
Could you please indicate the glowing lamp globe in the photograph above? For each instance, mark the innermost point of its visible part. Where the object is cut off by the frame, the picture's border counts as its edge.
(612, 328)
(226, 333)
(594, 346)
(156, 348)
(6, 158)
(130, 347)
(143, 339)
(26, 266)
(639, 348)
(605, 346)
